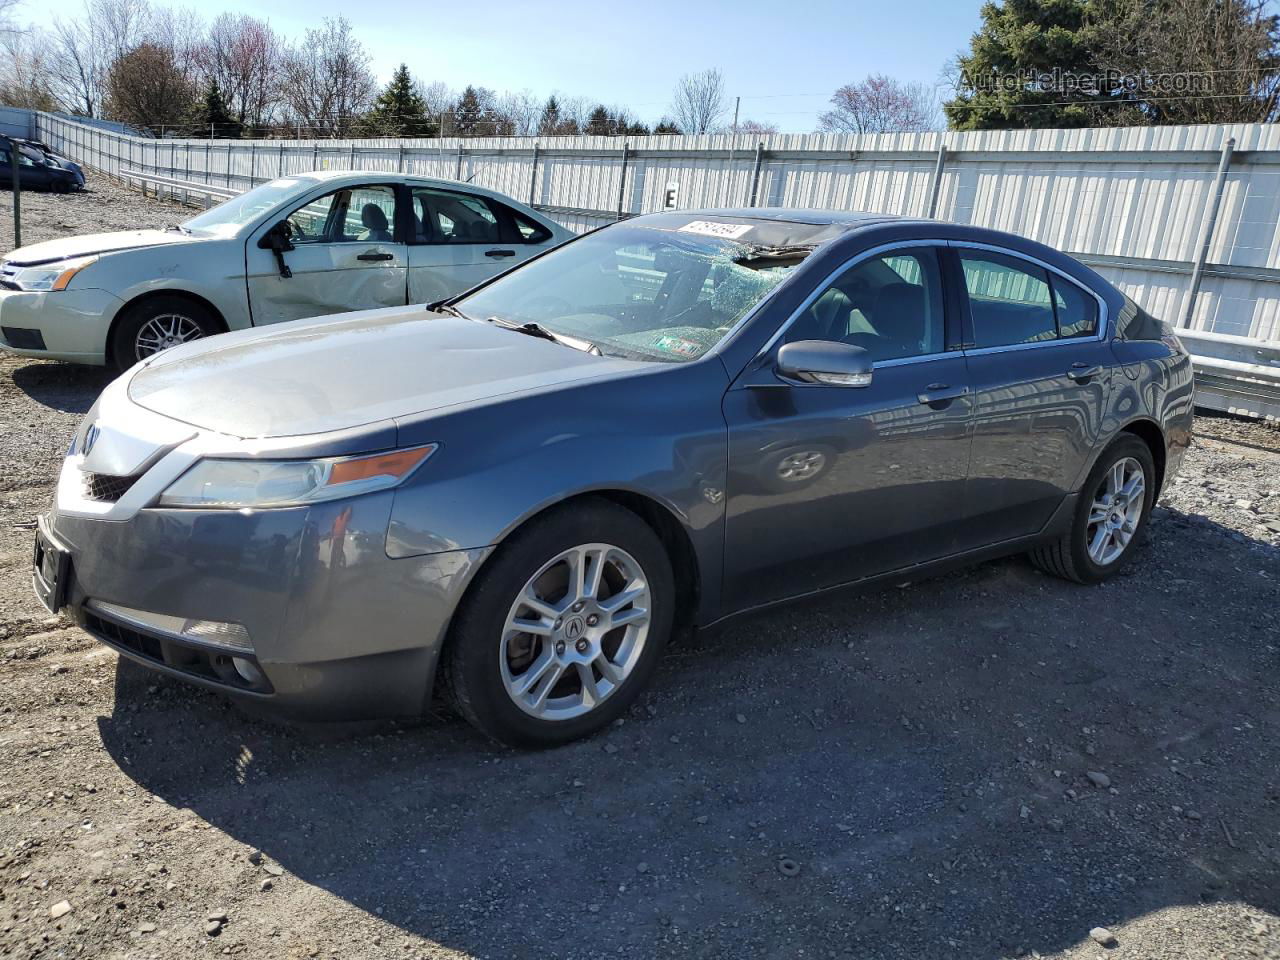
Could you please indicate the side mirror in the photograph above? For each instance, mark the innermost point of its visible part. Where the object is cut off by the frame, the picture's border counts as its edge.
(825, 362)
(276, 239)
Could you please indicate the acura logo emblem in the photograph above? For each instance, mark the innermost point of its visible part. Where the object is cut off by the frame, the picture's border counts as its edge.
(574, 628)
(90, 438)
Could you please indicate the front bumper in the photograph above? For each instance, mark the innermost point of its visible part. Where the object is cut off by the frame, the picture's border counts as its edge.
(339, 630)
(73, 324)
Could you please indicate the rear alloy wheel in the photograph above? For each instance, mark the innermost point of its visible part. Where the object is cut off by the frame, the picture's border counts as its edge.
(1112, 511)
(156, 325)
(563, 627)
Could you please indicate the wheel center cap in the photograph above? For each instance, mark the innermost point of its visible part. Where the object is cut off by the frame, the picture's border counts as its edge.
(574, 629)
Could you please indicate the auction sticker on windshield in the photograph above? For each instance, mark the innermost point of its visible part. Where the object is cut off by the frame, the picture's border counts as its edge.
(728, 231)
(678, 345)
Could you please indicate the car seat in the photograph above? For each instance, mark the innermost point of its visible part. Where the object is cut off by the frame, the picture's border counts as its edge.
(375, 223)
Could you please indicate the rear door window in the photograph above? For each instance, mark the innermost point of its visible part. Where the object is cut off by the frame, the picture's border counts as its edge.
(443, 216)
(1009, 300)
(1077, 311)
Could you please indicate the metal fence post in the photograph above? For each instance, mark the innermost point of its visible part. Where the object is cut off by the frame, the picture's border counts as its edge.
(351, 163)
(533, 174)
(936, 186)
(400, 158)
(17, 195)
(315, 156)
(1211, 223)
(622, 177)
(228, 163)
(458, 172)
(755, 173)
(280, 171)
(208, 161)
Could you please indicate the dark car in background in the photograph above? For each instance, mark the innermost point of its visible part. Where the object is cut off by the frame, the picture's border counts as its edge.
(519, 496)
(39, 168)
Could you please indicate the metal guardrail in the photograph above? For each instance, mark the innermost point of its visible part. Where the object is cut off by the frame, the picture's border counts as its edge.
(1235, 375)
(174, 186)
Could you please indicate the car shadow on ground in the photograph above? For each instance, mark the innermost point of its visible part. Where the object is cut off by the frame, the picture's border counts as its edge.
(68, 387)
(899, 773)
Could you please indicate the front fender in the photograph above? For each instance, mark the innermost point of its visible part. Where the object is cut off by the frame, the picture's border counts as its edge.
(658, 435)
(210, 269)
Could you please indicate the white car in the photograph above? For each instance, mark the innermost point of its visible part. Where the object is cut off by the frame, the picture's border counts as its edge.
(300, 246)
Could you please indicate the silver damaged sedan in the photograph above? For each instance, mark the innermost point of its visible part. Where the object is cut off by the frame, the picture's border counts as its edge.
(515, 497)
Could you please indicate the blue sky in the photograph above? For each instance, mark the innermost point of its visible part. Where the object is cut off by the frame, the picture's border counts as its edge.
(783, 59)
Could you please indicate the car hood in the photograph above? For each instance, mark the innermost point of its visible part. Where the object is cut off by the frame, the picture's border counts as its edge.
(316, 377)
(92, 243)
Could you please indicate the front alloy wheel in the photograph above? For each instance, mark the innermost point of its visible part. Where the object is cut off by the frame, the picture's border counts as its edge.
(575, 632)
(563, 626)
(164, 331)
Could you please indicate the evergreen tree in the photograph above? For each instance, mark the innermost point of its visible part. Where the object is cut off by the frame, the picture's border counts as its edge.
(666, 126)
(400, 110)
(599, 123)
(468, 114)
(1019, 42)
(550, 124)
(212, 117)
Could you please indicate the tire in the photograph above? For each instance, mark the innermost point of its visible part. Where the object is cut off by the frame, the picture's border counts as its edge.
(181, 315)
(487, 662)
(61, 186)
(1070, 556)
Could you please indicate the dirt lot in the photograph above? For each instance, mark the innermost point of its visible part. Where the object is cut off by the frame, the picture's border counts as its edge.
(899, 774)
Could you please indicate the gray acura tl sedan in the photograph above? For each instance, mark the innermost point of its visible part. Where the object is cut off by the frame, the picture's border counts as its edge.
(515, 497)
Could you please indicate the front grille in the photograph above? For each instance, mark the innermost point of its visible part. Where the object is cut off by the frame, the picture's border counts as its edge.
(105, 487)
(164, 651)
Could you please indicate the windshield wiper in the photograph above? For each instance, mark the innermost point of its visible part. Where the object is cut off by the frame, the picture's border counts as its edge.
(176, 227)
(538, 330)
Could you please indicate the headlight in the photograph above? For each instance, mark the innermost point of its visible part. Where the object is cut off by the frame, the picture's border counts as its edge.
(49, 276)
(233, 484)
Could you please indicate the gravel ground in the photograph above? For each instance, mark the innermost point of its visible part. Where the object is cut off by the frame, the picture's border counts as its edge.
(988, 764)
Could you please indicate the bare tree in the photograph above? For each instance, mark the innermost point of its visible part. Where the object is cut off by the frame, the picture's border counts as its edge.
(180, 31)
(699, 102)
(24, 75)
(242, 56)
(1225, 53)
(325, 80)
(520, 112)
(880, 104)
(147, 89)
(756, 128)
(438, 98)
(82, 49)
(75, 67)
(118, 26)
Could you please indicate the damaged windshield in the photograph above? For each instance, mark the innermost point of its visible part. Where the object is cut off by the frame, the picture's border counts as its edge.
(639, 292)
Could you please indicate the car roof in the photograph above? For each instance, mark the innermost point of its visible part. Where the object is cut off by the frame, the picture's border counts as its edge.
(386, 176)
(811, 216)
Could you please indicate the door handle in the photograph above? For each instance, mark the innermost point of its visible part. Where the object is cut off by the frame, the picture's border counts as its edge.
(375, 256)
(1083, 372)
(939, 395)
(499, 253)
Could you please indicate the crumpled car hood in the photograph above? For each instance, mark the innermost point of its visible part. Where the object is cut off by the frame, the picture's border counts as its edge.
(320, 376)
